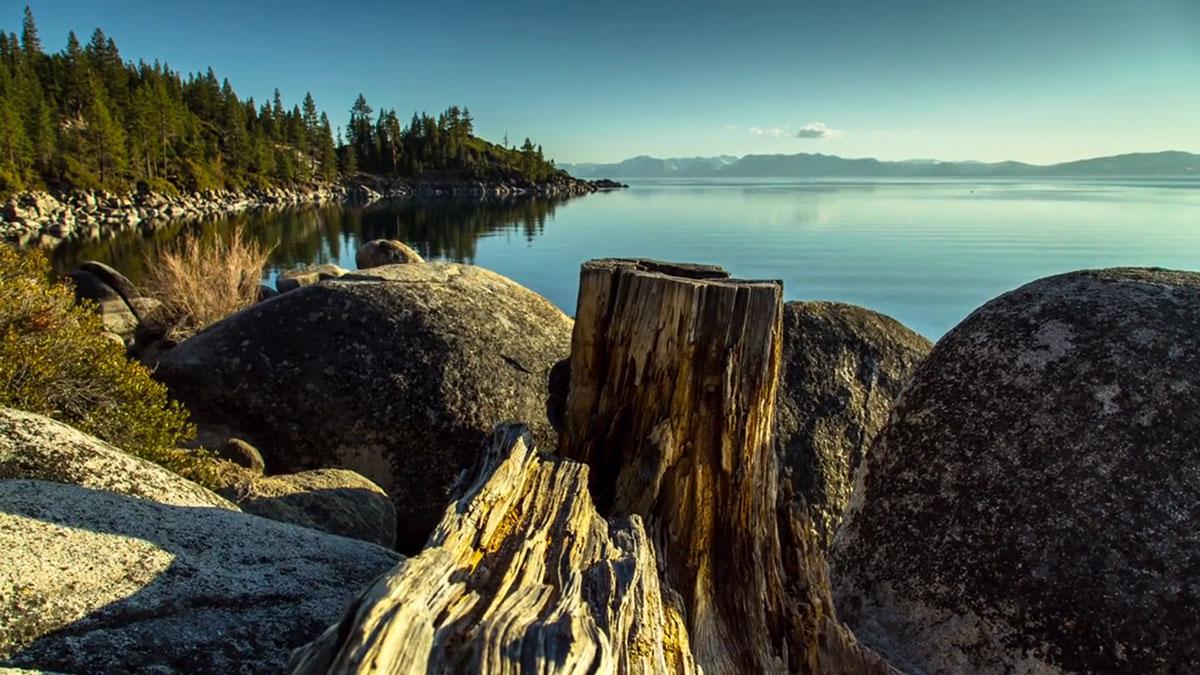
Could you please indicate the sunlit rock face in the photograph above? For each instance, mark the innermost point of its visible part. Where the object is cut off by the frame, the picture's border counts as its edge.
(112, 564)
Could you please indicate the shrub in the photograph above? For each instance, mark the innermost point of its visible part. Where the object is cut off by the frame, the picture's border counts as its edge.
(203, 280)
(158, 185)
(198, 177)
(79, 176)
(10, 181)
(56, 361)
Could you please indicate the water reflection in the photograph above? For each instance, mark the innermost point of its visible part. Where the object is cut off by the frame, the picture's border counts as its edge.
(927, 253)
(441, 229)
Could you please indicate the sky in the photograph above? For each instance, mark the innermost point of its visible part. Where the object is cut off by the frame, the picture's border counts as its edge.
(1032, 80)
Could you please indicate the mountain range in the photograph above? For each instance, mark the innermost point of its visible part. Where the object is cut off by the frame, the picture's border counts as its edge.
(806, 165)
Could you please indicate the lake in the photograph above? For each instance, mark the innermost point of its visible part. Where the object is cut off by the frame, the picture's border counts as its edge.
(924, 252)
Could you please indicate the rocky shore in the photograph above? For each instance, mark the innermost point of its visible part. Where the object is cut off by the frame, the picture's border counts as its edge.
(1019, 497)
(45, 220)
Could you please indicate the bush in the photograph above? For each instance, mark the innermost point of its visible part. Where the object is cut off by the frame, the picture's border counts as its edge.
(158, 185)
(11, 182)
(203, 280)
(79, 176)
(56, 361)
(198, 177)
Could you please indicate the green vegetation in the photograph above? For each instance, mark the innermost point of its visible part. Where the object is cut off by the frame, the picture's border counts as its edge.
(443, 146)
(84, 119)
(55, 361)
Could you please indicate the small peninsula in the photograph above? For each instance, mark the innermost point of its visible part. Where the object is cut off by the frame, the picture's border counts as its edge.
(91, 144)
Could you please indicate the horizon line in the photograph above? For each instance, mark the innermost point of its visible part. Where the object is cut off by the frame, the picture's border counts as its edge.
(893, 161)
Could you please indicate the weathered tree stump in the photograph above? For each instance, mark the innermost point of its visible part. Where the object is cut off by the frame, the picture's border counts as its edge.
(674, 371)
(656, 542)
(521, 576)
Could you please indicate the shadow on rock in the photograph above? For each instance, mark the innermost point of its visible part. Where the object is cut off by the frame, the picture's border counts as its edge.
(98, 582)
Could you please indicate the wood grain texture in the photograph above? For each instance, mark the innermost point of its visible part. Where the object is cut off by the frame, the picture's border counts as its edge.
(674, 374)
(657, 541)
(521, 576)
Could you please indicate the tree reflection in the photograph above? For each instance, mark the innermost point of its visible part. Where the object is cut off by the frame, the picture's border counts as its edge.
(437, 229)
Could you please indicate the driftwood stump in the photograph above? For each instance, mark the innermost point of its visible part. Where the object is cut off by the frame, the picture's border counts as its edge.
(673, 377)
(521, 576)
(656, 542)
(674, 371)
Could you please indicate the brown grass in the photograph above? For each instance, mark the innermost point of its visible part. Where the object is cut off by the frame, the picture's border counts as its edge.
(203, 280)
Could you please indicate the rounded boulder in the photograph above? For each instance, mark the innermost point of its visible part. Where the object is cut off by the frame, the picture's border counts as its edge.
(336, 501)
(116, 314)
(380, 252)
(1031, 506)
(399, 374)
(112, 278)
(842, 368)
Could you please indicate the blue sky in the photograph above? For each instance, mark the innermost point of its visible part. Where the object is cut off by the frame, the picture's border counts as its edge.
(1033, 80)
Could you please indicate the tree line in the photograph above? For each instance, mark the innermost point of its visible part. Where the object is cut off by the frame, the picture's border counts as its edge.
(445, 145)
(83, 118)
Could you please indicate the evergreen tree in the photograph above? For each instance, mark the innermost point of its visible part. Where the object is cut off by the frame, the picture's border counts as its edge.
(312, 130)
(83, 118)
(76, 77)
(14, 143)
(142, 128)
(349, 158)
(30, 41)
(277, 111)
(329, 163)
(105, 137)
(359, 134)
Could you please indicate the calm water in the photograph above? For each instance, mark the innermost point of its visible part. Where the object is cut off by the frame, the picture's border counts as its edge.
(926, 253)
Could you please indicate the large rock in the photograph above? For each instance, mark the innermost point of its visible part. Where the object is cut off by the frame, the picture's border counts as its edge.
(117, 316)
(399, 374)
(1032, 505)
(332, 500)
(37, 447)
(842, 368)
(382, 252)
(96, 582)
(243, 454)
(111, 278)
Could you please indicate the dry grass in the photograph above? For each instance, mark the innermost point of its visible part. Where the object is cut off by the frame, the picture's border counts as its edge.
(203, 280)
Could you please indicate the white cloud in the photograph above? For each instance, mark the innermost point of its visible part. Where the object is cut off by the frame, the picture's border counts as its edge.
(729, 127)
(817, 130)
(776, 132)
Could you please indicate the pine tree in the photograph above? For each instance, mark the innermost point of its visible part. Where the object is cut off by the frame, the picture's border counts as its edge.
(30, 41)
(349, 160)
(468, 124)
(329, 163)
(359, 133)
(76, 77)
(14, 143)
(105, 137)
(277, 111)
(312, 130)
(84, 118)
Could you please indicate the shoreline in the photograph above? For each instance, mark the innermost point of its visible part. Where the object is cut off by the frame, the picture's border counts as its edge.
(45, 220)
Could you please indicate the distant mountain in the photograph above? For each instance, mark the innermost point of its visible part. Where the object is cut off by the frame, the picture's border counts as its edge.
(645, 167)
(805, 165)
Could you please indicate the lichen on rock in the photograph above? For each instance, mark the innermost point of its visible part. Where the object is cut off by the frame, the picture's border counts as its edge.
(1031, 506)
